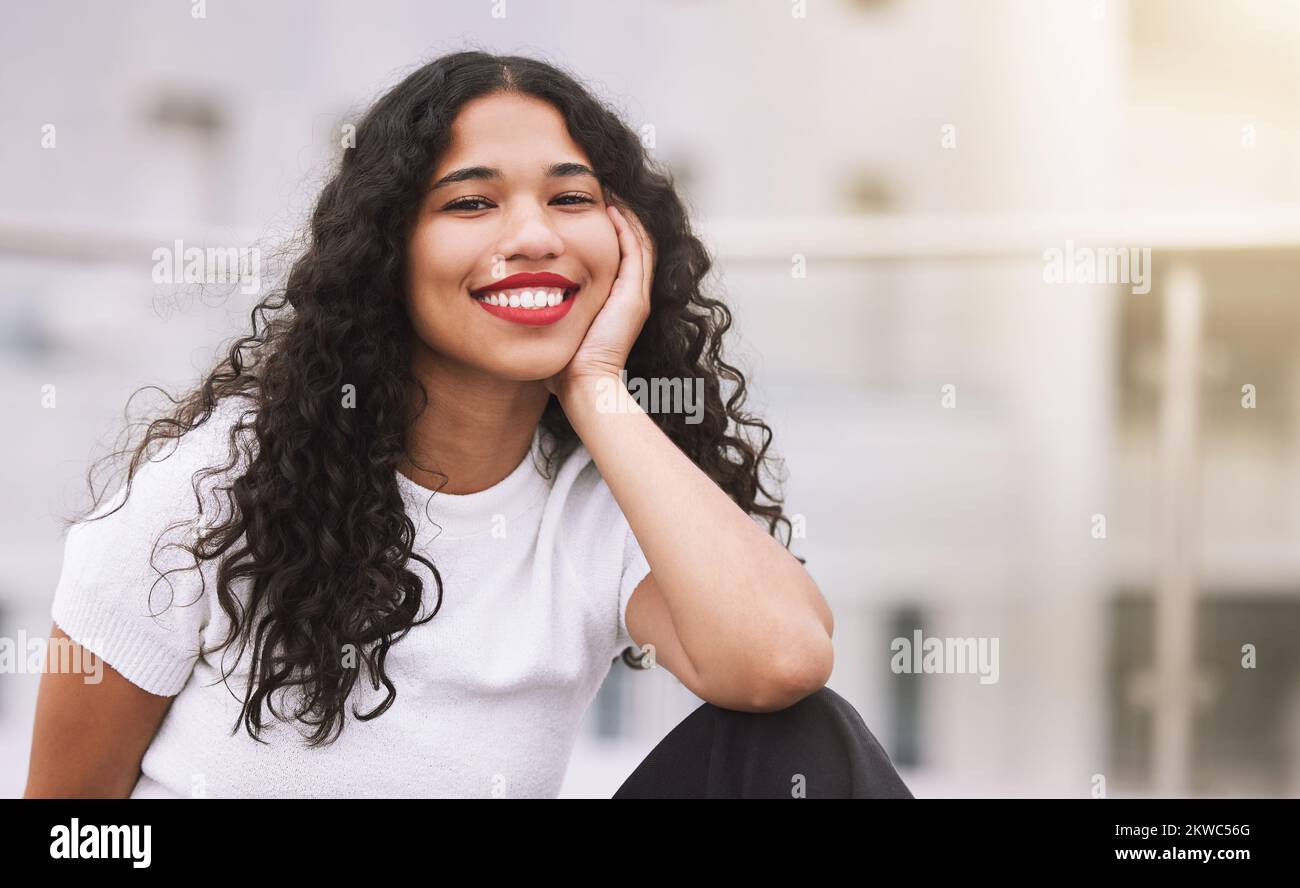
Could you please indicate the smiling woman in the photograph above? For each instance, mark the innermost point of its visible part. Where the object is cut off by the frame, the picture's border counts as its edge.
(420, 420)
(499, 204)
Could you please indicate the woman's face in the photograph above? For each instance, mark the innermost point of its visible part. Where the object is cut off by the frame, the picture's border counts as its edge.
(512, 211)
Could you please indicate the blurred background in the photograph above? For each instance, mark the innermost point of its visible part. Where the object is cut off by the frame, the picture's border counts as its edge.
(1102, 480)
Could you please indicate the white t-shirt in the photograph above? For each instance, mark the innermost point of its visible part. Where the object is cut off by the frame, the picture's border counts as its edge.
(491, 691)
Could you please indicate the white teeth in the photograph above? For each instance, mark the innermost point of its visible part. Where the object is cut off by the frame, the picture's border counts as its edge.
(538, 297)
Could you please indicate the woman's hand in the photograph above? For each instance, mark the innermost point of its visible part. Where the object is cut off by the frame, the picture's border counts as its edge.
(604, 350)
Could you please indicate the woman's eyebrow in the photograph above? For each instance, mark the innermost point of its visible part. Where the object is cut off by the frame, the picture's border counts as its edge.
(564, 170)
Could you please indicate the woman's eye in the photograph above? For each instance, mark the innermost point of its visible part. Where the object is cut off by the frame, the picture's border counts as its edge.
(471, 203)
(580, 198)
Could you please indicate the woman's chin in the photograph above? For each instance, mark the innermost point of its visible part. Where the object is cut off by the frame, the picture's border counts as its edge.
(534, 371)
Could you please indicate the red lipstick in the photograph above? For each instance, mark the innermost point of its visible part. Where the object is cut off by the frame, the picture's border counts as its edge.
(528, 279)
(531, 298)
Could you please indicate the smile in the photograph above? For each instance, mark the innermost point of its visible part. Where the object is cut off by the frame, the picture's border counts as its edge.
(528, 305)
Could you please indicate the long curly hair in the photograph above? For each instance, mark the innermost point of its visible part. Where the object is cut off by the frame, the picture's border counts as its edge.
(317, 525)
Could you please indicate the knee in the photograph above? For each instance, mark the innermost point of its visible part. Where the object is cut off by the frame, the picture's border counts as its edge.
(823, 731)
(818, 706)
(820, 715)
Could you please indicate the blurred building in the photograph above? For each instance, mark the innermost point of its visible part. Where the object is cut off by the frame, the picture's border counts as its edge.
(879, 180)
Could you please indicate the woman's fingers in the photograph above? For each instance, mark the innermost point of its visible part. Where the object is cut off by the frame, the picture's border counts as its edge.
(630, 246)
(647, 254)
(643, 245)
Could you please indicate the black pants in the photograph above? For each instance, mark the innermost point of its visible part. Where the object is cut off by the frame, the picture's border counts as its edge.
(819, 748)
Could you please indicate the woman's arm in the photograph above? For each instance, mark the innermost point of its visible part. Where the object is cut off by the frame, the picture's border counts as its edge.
(748, 615)
(89, 739)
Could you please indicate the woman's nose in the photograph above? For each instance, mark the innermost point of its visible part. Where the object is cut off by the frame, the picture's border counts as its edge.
(529, 232)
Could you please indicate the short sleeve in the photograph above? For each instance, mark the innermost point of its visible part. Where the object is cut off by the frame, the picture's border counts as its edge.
(127, 591)
(635, 569)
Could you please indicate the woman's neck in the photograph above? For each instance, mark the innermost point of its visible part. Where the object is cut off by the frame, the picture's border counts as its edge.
(476, 429)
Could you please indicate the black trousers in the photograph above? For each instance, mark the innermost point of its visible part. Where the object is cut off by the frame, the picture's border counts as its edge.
(819, 748)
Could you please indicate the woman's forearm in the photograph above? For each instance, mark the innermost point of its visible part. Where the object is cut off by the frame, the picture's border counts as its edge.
(738, 598)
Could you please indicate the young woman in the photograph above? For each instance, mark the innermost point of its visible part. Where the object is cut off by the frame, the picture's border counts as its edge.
(420, 498)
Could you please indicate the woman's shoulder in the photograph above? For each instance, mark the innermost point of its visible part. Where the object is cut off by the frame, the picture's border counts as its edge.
(131, 560)
(176, 470)
(228, 422)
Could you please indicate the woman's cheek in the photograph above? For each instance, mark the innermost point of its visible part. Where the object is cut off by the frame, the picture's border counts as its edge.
(437, 263)
(605, 264)
(421, 262)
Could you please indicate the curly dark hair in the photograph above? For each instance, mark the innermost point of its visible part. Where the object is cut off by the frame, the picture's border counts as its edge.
(317, 524)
